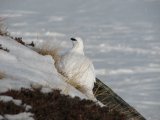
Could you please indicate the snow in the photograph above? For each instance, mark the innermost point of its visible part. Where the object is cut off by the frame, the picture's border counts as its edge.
(46, 90)
(77, 68)
(5, 98)
(1, 117)
(27, 107)
(8, 99)
(24, 67)
(15, 101)
(20, 116)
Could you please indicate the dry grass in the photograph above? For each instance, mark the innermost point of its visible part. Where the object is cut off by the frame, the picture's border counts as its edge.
(75, 74)
(3, 28)
(75, 84)
(74, 78)
(48, 51)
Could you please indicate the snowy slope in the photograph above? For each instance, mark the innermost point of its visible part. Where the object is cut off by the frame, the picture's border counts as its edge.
(22, 67)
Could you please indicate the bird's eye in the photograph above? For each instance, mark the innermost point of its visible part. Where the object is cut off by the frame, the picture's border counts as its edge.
(73, 39)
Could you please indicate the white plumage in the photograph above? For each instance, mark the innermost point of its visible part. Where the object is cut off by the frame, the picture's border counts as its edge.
(78, 69)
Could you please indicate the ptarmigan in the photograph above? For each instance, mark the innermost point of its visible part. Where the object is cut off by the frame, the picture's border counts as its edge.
(78, 69)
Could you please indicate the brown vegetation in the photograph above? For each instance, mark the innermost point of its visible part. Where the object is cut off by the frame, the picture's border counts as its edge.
(10, 108)
(3, 28)
(46, 51)
(19, 40)
(5, 49)
(55, 106)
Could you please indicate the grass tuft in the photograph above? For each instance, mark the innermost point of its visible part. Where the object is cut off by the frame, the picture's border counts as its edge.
(3, 28)
(49, 51)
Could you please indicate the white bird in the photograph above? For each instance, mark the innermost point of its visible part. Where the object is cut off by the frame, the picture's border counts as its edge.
(78, 69)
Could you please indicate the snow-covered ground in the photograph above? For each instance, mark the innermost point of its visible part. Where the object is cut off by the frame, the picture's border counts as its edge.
(121, 37)
(23, 67)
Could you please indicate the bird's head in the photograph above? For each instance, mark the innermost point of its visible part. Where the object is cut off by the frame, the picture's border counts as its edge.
(77, 44)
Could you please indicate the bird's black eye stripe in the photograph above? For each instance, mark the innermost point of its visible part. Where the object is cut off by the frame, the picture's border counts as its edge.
(73, 39)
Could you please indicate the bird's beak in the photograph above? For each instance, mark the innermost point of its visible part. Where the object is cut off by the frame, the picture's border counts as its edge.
(73, 39)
